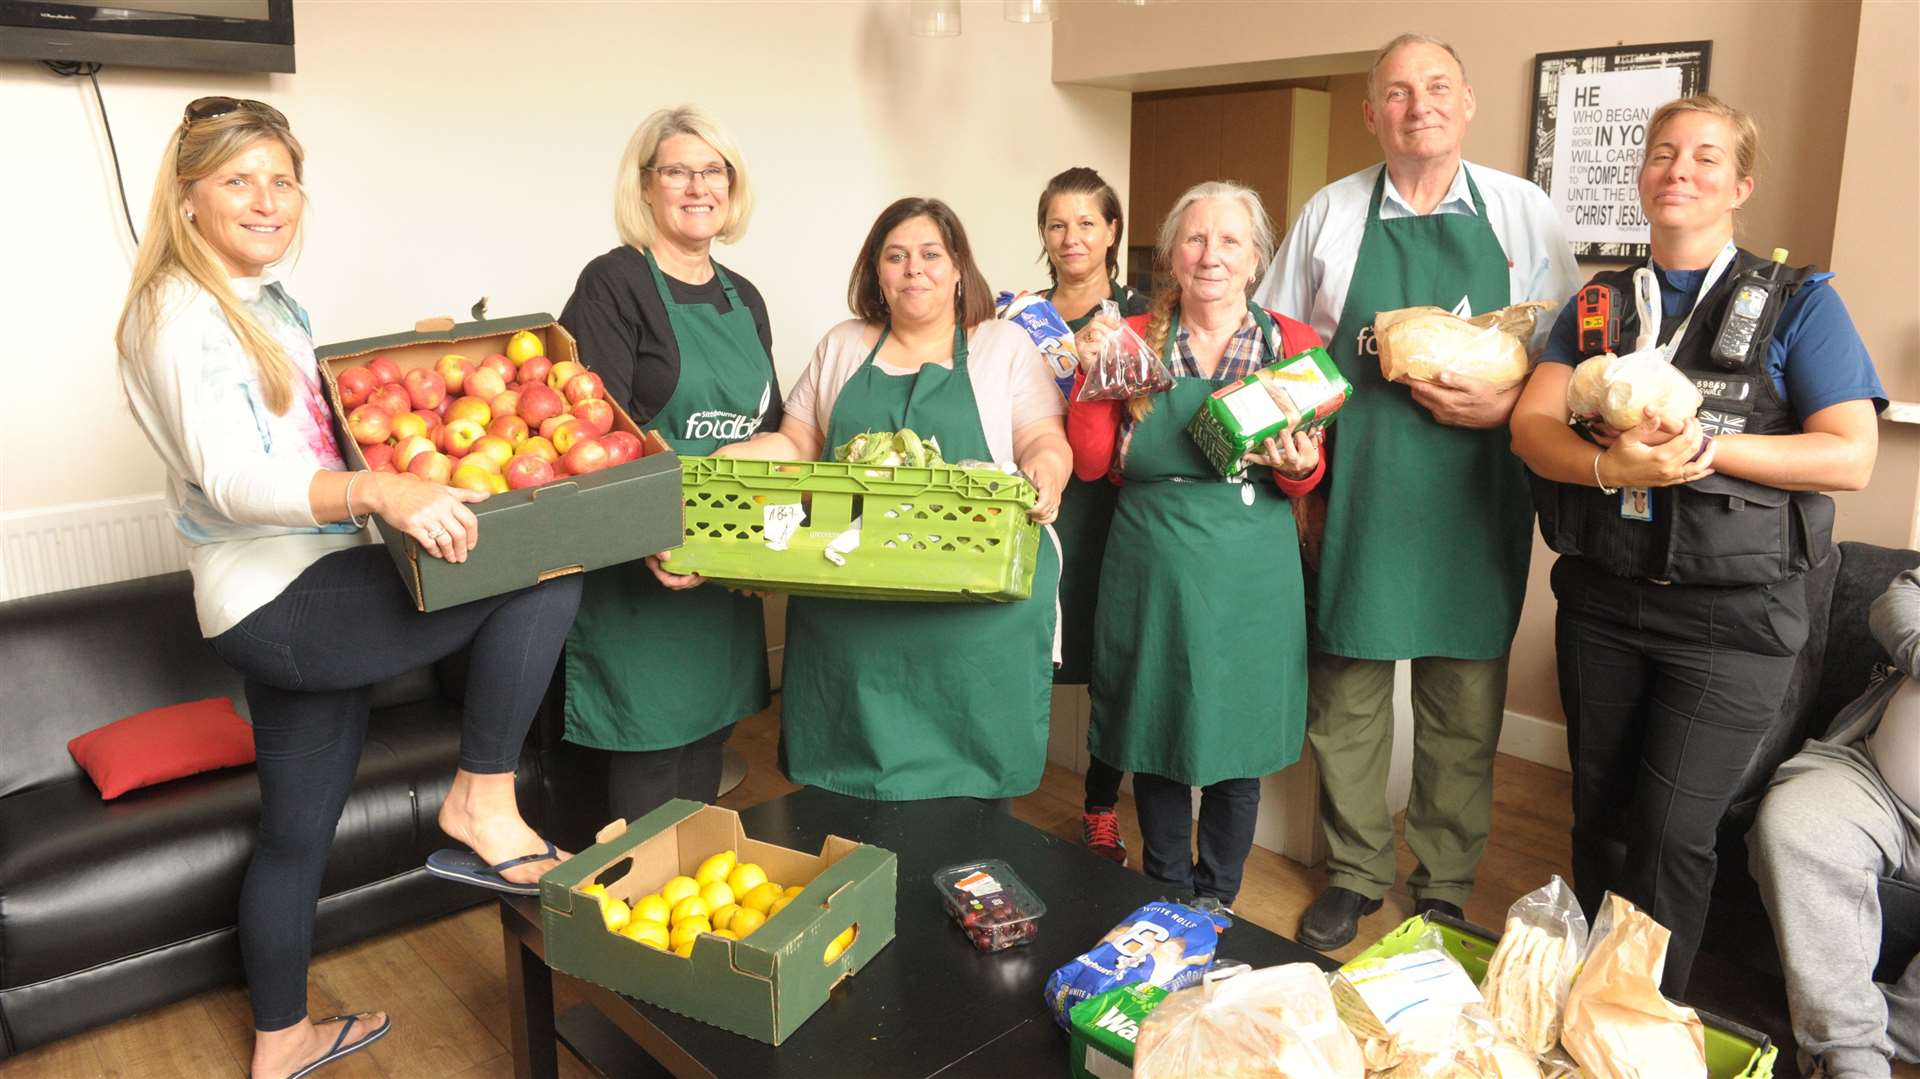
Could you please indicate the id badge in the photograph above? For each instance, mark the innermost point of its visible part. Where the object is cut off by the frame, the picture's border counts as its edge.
(1636, 504)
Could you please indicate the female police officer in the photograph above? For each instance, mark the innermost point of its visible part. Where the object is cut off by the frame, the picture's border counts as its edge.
(1681, 611)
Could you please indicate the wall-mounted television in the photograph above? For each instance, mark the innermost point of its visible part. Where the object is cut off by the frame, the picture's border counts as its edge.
(210, 35)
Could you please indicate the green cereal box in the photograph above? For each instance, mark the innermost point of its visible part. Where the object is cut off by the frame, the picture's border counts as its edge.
(1104, 1027)
(1238, 417)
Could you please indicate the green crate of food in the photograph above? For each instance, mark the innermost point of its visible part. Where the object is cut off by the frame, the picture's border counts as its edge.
(1733, 1051)
(850, 531)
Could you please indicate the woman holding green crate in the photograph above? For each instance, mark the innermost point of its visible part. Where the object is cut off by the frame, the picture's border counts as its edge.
(900, 701)
(1081, 226)
(658, 669)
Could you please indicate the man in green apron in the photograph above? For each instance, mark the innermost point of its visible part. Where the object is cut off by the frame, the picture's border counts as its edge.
(1428, 520)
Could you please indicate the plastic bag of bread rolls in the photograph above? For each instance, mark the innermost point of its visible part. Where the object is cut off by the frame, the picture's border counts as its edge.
(1624, 390)
(1278, 1022)
(1421, 342)
(1527, 979)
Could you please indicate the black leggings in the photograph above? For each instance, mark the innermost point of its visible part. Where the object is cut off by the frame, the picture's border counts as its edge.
(1103, 785)
(310, 657)
(639, 782)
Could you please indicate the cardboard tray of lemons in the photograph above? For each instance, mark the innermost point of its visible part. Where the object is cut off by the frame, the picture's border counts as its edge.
(645, 912)
(1733, 1051)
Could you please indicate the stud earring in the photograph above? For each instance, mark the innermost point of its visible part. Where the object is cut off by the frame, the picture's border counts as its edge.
(190, 217)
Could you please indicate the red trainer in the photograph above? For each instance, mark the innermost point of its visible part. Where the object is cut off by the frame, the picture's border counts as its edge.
(1100, 831)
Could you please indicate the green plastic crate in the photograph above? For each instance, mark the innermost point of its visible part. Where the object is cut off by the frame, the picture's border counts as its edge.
(935, 534)
(1733, 1051)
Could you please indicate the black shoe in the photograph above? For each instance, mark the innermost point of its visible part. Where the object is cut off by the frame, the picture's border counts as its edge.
(1334, 918)
(1422, 907)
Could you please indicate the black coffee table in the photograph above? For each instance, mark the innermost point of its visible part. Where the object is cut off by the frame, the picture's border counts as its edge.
(928, 1004)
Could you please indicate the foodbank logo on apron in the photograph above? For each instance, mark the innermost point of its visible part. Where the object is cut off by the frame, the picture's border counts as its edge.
(1366, 344)
(727, 426)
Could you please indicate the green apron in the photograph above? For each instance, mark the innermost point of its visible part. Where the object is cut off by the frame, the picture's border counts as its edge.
(898, 701)
(1429, 527)
(648, 667)
(1200, 649)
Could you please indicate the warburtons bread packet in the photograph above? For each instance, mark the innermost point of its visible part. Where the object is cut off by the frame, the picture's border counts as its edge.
(1165, 944)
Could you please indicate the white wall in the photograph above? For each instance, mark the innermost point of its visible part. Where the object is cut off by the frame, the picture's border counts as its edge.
(460, 150)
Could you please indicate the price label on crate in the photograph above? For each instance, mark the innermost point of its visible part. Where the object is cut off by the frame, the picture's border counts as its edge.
(781, 522)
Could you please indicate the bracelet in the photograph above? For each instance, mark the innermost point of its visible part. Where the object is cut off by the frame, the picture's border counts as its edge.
(361, 522)
(1597, 481)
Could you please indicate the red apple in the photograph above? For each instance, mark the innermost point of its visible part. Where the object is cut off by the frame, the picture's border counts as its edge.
(565, 436)
(505, 403)
(430, 415)
(539, 403)
(512, 428)
(379, 456)
(486, 384)
(585, 386)
(384, 370)
(537, 447)
(561, 372)
(355, 384)
(494, 448)
(500, 365)
(529, 470)
(426, 387)
(407, 425)
(456, 437)
(392, 399)
(596, 413)
(534, 371)
(471, 408)
(586, 455)
(443, 406)
(432, 467)
(369, 424)
(407, 449)
(551, 424)
(624, 445)
(454, 369)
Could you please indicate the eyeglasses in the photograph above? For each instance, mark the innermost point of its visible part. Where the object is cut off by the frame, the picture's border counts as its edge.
(676, 177)
(208, 108)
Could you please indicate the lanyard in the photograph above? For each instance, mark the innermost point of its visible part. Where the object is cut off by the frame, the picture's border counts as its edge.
(1647, 298)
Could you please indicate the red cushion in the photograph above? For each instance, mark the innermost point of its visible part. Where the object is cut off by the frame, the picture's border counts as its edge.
(165, 743)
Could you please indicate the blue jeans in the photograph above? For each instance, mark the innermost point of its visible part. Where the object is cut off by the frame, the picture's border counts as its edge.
(310, 658)
(1227, 812)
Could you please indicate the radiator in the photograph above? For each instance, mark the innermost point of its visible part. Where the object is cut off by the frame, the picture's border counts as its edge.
(86, 543)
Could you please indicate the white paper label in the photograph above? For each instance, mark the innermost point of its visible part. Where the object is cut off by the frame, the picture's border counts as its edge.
(843, 544)
(780, 523)
(1253, 408)
(977, 884)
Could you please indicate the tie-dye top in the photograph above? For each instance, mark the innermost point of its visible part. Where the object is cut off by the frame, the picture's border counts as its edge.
(237, 474)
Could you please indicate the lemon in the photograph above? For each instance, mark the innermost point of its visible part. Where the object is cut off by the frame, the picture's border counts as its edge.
(727, 933)
(679, 888)
(524, 346)
(684, 949)
(651, 908)
(762, 897)
(745, 878)
(796, 889)
(717, 894)
(722, 915)
(716, 868)
(594, 890)
(691, 907)
(839, 945)
(687, 930)
(615, 913)
(651, 934)
(778, 905)
(746, 920)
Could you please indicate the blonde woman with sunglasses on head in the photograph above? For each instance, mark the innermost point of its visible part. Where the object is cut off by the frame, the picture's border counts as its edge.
(218, 365)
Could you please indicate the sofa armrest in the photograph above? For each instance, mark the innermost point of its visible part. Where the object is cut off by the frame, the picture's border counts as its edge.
(1899, 929)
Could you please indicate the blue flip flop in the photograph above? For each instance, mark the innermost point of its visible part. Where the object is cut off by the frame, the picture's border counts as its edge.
(467, 868)
(339, 1047)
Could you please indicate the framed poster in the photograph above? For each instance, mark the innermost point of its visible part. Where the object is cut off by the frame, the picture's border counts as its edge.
(1590, 113)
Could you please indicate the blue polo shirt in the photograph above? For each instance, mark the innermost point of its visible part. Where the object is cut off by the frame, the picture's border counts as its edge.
(1816, 357)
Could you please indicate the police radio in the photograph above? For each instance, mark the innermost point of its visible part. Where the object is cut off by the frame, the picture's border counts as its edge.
(1757, 297)
(1596, 310)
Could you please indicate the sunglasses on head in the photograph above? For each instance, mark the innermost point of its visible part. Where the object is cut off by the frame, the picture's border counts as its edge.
(208, 108)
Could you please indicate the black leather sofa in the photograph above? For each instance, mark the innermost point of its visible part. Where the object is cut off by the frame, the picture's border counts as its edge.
(112, 908)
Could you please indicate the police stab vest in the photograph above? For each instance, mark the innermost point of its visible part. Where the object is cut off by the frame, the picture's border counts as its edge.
(1718, 530)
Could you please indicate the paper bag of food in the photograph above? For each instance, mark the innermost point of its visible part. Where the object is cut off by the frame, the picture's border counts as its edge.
(1624, 390)
(1421, 342)
(1468, 1048)
(1617, 1025)
(1531, 971)
(1277, 1022)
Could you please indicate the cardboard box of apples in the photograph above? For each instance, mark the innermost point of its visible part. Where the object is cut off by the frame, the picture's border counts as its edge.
(505, 407)
(682, 910)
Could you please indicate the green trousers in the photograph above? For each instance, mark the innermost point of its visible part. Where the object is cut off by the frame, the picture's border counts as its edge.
(1457, 706)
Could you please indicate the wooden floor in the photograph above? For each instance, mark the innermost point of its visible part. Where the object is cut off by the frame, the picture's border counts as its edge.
(444, 985)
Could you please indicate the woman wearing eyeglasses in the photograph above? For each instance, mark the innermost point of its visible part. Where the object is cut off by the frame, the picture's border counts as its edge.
(218, 365)
(658, 670)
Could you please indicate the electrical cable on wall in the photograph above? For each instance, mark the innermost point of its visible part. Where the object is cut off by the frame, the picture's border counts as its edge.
(67, 69)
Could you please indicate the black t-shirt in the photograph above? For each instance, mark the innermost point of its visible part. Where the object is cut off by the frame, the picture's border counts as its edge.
(616, 317)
